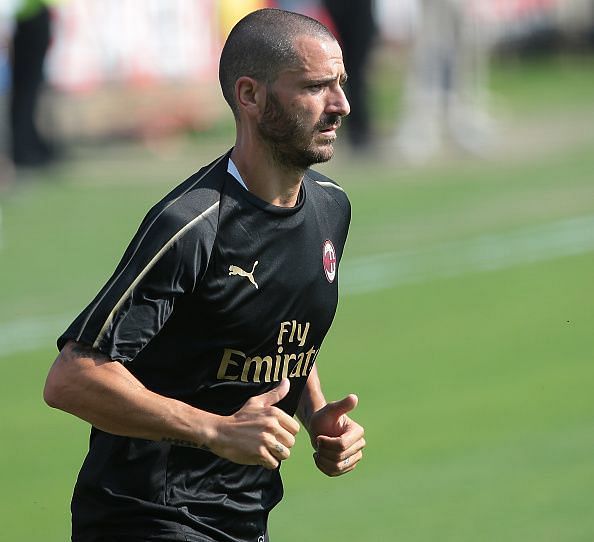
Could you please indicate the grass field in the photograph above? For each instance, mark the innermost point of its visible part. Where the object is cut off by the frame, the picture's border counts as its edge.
(465, 326)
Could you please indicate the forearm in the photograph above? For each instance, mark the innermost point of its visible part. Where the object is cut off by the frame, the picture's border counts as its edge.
(105, 394)
(312, 398)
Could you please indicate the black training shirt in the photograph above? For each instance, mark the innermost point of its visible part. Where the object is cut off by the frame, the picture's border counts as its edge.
(218, 297)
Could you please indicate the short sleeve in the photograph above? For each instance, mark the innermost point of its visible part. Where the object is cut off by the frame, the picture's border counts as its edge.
(166, 260)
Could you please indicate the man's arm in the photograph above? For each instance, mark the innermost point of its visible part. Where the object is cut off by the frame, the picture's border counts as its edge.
(312, 399)
(337, 439)
(86, 383)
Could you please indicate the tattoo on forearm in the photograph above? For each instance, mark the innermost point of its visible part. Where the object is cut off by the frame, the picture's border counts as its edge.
(186, 443)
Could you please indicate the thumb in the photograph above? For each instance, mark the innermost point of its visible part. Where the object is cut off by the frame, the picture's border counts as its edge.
(337, 408)
(277, 394)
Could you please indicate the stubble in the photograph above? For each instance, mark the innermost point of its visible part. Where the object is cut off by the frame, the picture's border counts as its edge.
(290, 140)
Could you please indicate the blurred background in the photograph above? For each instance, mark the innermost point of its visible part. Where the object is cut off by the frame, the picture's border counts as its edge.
(465, 322)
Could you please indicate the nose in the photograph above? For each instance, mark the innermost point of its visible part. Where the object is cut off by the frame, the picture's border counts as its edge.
(338, 103)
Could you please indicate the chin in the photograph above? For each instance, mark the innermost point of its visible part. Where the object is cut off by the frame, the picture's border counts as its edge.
(311, 156)
(324, 152)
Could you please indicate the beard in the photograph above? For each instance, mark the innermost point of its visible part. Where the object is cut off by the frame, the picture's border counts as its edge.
(291, 140)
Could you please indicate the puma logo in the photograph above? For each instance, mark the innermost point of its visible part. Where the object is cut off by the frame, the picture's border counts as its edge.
(234, 270)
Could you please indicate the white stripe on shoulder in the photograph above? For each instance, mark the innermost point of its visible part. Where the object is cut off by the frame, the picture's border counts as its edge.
(331, 185)
(149, 266)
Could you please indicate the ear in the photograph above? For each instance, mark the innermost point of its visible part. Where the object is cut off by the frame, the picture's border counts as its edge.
(250, 95)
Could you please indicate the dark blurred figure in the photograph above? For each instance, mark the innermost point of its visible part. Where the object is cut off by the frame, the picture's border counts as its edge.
(30, 43)
(355, 24)
(6, 19)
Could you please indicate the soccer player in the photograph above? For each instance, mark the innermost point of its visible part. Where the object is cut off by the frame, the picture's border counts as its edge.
(192, 360)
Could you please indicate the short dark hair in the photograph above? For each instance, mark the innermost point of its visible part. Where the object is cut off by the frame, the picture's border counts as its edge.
(262, 44)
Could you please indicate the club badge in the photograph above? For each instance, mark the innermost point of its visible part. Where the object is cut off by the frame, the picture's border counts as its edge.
(329, 260)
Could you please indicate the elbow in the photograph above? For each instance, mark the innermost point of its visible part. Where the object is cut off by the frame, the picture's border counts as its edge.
(56, 389)
(52, 391)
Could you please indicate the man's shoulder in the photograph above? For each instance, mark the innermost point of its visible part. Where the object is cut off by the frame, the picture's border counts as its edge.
(195, 198)
(330, 188)
(191, 206)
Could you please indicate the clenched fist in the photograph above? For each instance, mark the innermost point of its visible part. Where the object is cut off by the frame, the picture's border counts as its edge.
(259, 433)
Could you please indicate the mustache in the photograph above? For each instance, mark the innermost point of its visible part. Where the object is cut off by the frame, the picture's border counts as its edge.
(328, 121)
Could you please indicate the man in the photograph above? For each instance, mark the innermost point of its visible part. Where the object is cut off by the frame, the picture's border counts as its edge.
(192, 360)
(30, 43)
(445, 94)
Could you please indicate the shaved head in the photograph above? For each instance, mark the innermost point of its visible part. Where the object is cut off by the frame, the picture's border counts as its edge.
(261, 45)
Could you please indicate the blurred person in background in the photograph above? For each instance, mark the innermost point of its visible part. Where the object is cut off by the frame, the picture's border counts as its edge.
(30, 43)
(7, 12)
(355, 24)
(193, 359)
(445, 93)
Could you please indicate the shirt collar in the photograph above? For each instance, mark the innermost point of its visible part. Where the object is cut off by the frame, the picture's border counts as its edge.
(232, 169)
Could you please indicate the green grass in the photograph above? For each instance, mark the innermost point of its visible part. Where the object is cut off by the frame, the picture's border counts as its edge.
(475, 390)
(476, 395)
(560, 83)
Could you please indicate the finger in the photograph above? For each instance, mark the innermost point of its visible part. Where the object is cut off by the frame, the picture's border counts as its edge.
(280, 452)
(287, 422)
(284, 437)
(267, 460)
(338, 408)
(338, 456)
(349, 463)
(354, 433)
(333, 468)
(275, 395)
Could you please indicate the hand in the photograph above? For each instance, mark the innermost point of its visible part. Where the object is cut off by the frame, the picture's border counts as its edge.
(259, 433)
(338, 439)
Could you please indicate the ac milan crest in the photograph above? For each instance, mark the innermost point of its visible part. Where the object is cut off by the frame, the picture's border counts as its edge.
(329, 260)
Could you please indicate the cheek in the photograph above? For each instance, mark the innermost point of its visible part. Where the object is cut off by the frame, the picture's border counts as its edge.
(298, 107)
(311, 112)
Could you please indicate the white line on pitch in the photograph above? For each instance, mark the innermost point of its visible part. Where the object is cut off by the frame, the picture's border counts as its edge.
(389, 270)
(484, 253)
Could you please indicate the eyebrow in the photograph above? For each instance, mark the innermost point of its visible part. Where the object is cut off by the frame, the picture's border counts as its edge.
(342, 80)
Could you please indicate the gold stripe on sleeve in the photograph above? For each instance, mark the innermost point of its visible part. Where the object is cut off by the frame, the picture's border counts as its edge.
(148, 267)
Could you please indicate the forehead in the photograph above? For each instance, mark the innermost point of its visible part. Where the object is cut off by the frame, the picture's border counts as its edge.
(318, 58)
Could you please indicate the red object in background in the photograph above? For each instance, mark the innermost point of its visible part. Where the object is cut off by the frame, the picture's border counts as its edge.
(509, 10)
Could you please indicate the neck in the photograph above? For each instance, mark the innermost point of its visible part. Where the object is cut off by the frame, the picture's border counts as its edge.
(263, 175)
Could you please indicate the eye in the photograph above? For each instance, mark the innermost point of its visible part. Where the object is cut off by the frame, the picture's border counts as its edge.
(315, 88)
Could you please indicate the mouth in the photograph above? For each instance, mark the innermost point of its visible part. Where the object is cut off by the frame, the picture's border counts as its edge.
(329, 127)
(330, 130)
